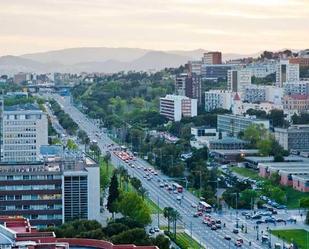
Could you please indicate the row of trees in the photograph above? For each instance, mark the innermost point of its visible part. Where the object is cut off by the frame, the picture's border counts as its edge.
(119, 231)
(64, 119)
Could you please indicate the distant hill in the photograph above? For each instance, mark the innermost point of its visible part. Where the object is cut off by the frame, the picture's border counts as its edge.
(101, 59)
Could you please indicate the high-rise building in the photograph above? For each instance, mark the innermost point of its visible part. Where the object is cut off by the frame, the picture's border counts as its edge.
(189, 85)
(25, 130)
(174, 107)
(238, 79)
(297, 88)
(195, 67)
(215, 72)
(212, 58)
(286, 72)
(51, 192)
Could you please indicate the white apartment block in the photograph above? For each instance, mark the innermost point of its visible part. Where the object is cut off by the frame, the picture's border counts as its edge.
(286, 72)
(195, 67)
(255, 93)
(174, 107)
(25, 130)
(261, 70)
(215, 99)
(238, 79)
(296, 88)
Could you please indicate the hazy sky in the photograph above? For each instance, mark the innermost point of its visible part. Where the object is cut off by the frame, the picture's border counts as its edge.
(241, 26)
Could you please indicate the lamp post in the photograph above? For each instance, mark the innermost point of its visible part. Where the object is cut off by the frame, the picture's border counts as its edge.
(257, 232)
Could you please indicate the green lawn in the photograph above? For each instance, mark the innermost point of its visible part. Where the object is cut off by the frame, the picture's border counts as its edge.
(293, 197)
(297, 235)
(184, 241)
(253, 174)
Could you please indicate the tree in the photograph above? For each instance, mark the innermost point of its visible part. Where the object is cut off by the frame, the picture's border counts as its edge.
(254, 133)
(136, 236)
(106, 159)
(175, 216)
(275, 178)
(307, 218)
(113, 194)
(123, 175)
(132, 205)
(71, 145)
(248, 196)
(264, 147)
(168, 214)
(304, 202)
(161, 242)
(142, 192)
(136, 183)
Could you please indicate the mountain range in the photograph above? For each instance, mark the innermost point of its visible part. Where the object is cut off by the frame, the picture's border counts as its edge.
(101, 59)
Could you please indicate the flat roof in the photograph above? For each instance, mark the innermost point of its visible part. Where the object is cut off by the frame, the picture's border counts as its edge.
(22, 107)
(253, 118)
(228, 140)
(232, 152)
(269, 159)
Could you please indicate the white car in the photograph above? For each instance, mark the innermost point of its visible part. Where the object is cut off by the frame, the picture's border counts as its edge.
(193, 205)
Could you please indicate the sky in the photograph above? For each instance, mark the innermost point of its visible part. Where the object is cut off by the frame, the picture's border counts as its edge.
(237, 26)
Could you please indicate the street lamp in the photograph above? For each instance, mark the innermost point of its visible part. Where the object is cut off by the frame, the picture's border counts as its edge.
(257, 232)
(269, 244)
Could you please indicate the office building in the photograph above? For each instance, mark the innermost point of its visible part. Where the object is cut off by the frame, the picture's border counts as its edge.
(286, 72)
(261, 70)
(212, 58)
(297, 88)
(51, 192)
(215, 72)
(174, 107)
(195, 67)
(254, 93)
(296, 137)
(21, 78)
(297, 103)
(189, 85)
(215, 99)
(238, 79)
(233, 124)
(25, 130)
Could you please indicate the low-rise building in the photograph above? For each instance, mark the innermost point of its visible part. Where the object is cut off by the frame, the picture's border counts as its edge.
(174, 107)
(297, 103)
(296, 137)
(233, 124)
(228, 143)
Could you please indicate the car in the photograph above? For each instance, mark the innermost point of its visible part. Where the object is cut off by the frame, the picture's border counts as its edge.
(258, 222)
(161, 185)
(281, 207)
(244, 213)
(179, 197)
(138, 167)
(213, 227)
(270, 220)
(193, 205)
(159, 180)
(226, 237)
(144, 176)
(256, 217)
(148, 178)
(280, 220)
(156, 229)
(235, 230)
(238, 244)
(218, 221)
(151, 231)
(218, 226)
(274, 212)
(267, 213)
(175, 191)
(197, 214)
(292, 220)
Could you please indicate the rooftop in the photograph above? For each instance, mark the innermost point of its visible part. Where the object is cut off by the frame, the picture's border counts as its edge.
(22, 107)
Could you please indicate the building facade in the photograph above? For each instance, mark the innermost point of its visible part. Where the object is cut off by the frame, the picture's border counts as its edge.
(215, 72)
(212, 58)
(233, 124)
(238, 79)
(189, 85)
(174, 107)
(215, 99)
(50, 193)
(25, 130)
(296, 137)
(297, 103)
(297, 88)
(286, 72)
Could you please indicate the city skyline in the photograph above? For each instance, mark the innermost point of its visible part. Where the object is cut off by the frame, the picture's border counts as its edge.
(37, 26)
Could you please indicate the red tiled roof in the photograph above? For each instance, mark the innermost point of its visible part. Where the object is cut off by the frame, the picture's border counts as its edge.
(298, 96)
(236, 97)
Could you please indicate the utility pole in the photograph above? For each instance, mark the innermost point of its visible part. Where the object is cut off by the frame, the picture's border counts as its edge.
(158, 203)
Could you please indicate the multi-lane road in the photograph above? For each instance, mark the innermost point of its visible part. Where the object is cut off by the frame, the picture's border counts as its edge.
(201, 232)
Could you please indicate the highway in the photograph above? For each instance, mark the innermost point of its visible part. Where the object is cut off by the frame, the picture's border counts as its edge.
(201, 232)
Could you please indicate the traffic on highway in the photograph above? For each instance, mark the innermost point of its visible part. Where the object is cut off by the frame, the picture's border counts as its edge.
(214, 230)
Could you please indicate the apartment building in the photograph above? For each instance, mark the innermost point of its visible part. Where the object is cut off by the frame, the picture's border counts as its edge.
(215, 72)
(297, 88)
(261, 70)
(301, 61)
(233, 124)
(25, 130)
(296, 102)
(51, 192)
(174, 107)
(195, 67)
(286, 72)
(189, 85)
(296, 137)
(212, 58)
(238, 79)
(215, 99)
